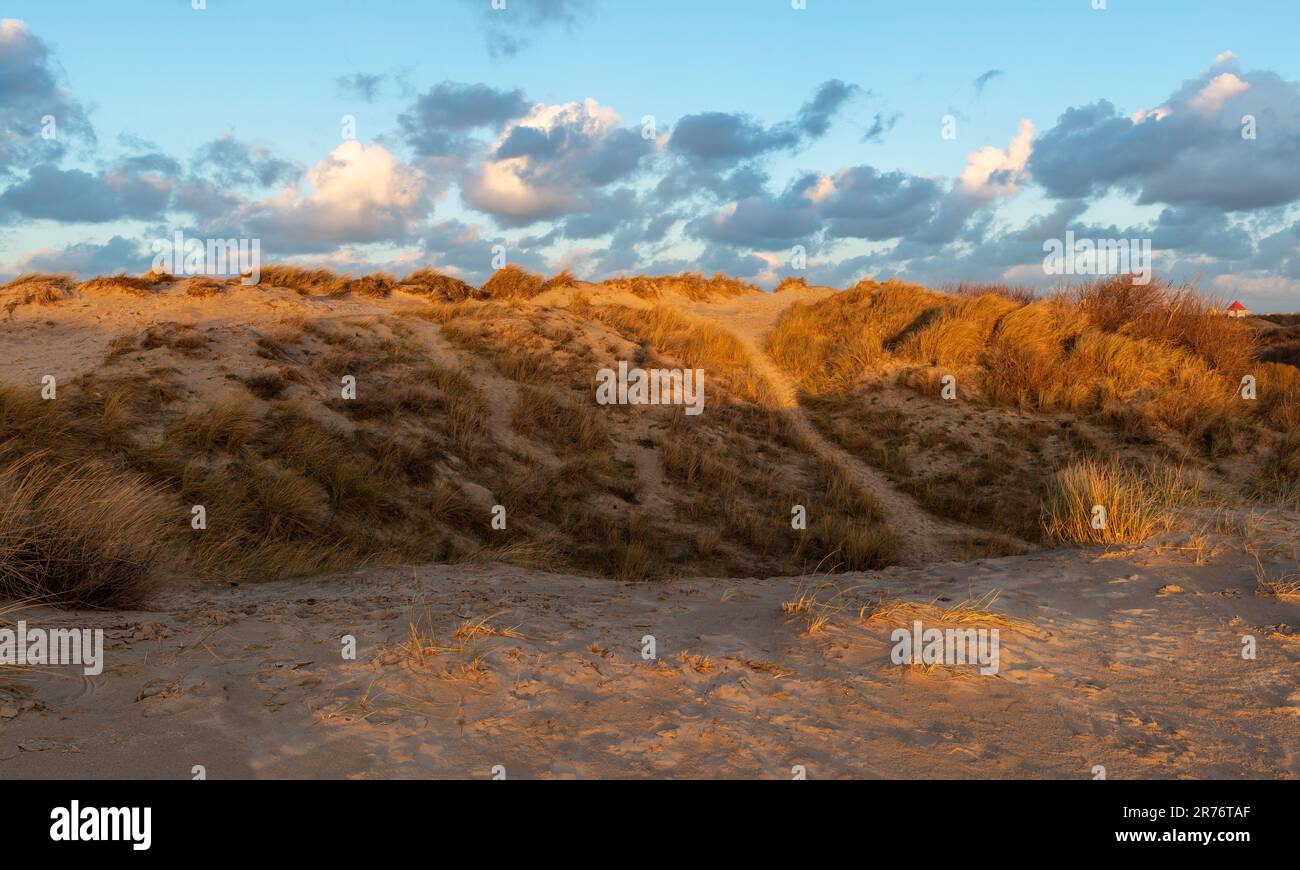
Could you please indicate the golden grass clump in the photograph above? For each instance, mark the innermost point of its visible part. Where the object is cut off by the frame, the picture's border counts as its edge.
(563, 278)
(513, 282)
(1150, 357)
(447, 288)
(119, 284)
(1135, 503)
(831, 344)
(1022, 363)
(695, 343)
(314, 282)
(956, 337)
(1197, 323)
(40, 288)
(80, 533)
(153, 277)
(692, 285)
(324, 282)
(202, 286)
(378, 285)
(1277, 388)
(229, 424)
(1279, 477)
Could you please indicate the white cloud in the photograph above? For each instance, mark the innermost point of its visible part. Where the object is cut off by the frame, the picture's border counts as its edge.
(553, 161)
(1213, 96)
(357, 194)
(993, 173)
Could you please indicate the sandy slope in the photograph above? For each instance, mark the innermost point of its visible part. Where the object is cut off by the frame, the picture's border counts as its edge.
(1130, 660)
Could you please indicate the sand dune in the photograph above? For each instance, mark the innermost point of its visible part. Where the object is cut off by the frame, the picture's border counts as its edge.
(525, 653)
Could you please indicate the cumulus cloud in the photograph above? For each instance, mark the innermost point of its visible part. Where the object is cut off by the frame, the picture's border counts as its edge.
(357, 194)
(865, 203)
(134, 188)
(763, 221)
(232, 162)
(86, 259)
(439, 121)
(29, 93)
(1207, 231)
(1189, 151)
(995, 173)
(554, 161)
(700, 196)
(727, 138)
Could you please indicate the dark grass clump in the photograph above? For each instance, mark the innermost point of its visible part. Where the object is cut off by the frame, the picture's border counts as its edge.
(79, 534)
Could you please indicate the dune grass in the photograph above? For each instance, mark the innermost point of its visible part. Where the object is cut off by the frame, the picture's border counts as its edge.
(80, 533)
(692, 285)
(693, 343)
(1160, 349)
(560, 419)
(37, 288)
(446, 288)
(1109, 503)
(513, 282)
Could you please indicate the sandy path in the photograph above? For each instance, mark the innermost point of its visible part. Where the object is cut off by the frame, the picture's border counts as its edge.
(923, 537)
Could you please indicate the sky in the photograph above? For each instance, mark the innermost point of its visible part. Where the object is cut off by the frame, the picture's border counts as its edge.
(939, 141)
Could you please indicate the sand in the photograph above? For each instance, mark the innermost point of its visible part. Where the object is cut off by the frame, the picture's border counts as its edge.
(1126, 659)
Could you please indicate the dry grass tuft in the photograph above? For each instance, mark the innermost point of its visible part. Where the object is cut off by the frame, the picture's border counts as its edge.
(831, 344)
(447, 288)
(37, 289)
(1286, 587)
(513, 282)
(1136, 502)
(474, 628)
(203, 287)
(379, 285)
(561, 279)
(229, 424)
(542, 554)
(971, 610)
(313, 282)
(692, 285)
(119, 284)
(80, 533)
(562, 420)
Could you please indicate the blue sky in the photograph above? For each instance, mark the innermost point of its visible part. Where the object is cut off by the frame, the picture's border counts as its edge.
(522, 127)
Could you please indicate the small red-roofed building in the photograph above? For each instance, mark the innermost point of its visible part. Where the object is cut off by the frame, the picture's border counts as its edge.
(1236, 309)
